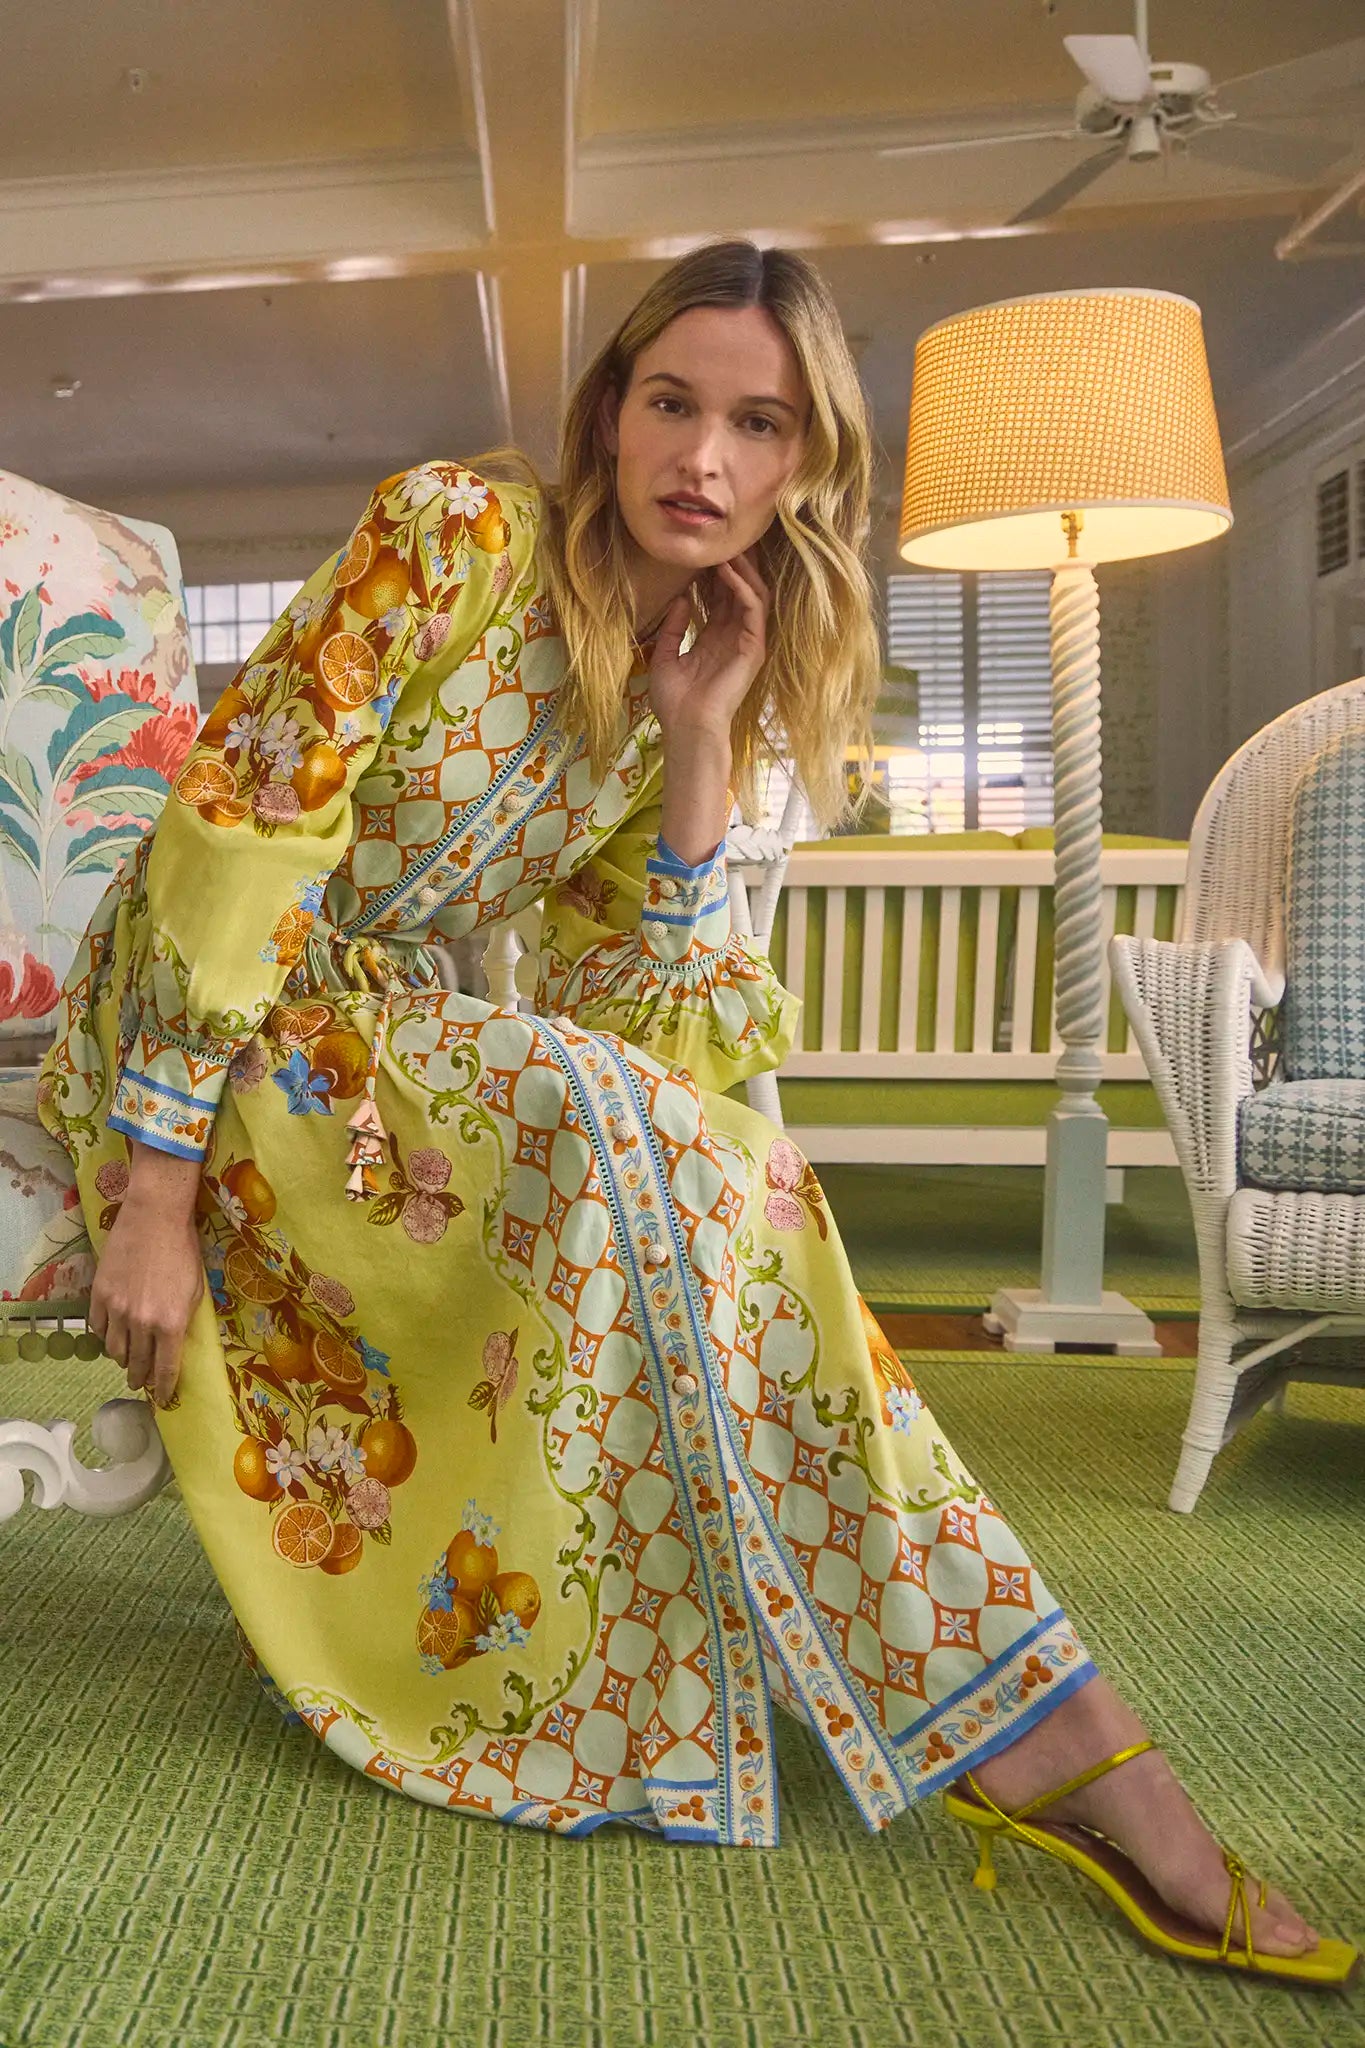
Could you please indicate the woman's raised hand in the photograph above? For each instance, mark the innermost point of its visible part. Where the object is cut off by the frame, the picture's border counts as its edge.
(704, 688)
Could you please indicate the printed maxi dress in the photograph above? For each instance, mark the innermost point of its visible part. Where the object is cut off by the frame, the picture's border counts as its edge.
(531, 1421)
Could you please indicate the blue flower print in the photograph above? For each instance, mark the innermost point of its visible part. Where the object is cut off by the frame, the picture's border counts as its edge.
(903, 1405)
(439, 1590)
(373, 1360)
(506, 1633)
(385, 701)
(304, 1089)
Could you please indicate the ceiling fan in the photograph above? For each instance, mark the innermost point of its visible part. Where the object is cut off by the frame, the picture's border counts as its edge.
(1143, 111)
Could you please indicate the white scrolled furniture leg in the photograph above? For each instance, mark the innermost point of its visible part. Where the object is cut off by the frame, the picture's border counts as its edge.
(125, 1430)
(1073, 1307)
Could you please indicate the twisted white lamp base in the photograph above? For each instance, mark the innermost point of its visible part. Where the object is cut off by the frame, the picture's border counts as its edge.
(1073, 1307)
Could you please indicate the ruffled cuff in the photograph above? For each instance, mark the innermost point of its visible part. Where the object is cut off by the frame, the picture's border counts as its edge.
(167, 1094)
(721, 1012)
(686, 909)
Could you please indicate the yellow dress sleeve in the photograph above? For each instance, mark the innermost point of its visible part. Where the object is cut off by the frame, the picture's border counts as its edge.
(226, 889)
(638, 943)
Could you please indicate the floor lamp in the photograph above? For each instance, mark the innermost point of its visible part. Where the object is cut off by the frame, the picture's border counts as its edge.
(1055, 432)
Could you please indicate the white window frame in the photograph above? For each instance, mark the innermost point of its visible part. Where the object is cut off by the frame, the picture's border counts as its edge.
(228, 621)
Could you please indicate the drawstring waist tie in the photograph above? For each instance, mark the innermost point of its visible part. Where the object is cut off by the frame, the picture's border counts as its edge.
(359, 963)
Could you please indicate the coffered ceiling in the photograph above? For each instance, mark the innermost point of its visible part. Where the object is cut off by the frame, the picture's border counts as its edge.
(302, 245)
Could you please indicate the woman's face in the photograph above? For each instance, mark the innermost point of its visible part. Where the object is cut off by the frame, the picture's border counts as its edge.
(716, 412)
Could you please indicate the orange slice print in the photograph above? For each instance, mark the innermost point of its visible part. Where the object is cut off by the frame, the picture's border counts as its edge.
(358, 557)
(448, 1633)
(348, 670)
(248, 1281)
(347, 1549)
(303, 1533)
(338, 1362)
(205, 782)
(290, 935)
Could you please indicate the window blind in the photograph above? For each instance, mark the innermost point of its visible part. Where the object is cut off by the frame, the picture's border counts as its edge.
(980, 646)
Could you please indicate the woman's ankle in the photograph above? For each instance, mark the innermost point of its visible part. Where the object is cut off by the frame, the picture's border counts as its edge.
(1089, 1725)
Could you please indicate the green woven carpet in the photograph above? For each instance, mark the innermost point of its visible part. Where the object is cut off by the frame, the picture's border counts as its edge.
(179, 1870)
(948, 1236)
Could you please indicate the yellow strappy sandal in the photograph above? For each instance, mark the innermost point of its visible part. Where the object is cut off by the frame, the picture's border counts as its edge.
(1328, 1966)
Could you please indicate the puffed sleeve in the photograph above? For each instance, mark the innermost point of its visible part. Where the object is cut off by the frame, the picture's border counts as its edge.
(225, 892)
(638, 943)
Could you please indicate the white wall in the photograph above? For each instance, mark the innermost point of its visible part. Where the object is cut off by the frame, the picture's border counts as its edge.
(1280, 643)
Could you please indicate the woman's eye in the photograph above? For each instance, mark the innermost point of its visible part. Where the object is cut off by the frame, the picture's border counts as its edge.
(760, 419)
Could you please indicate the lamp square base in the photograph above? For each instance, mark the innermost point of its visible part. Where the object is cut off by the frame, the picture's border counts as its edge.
(1029, 1323)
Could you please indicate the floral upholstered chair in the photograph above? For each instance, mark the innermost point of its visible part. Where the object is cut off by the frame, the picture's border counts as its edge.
(97, 710)
(1252, 1025)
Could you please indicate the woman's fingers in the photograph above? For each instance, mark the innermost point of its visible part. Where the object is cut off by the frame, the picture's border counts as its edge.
(748, 604)
(165, 1366)
(141, 1356)
(746, 566)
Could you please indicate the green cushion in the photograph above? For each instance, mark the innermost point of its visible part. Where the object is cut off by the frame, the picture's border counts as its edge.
(1129, 1105)
(1040, 839)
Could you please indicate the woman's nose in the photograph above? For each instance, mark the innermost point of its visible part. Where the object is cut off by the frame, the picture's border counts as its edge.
(701, 456)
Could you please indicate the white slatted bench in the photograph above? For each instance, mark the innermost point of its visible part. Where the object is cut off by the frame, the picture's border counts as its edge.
(949, 952)
(959, 1010)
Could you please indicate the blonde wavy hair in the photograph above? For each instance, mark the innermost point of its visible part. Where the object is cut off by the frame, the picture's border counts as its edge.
(814, 694)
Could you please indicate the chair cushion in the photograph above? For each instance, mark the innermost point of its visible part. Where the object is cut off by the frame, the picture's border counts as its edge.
(1323, 1017)
(1304, 1135)
(100, 710)
(44, 1247)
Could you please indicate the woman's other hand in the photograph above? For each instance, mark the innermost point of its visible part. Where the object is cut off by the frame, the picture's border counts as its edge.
(151, 1272)
(701, 691)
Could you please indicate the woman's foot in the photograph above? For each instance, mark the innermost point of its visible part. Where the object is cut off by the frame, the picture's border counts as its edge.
(1142, 1807)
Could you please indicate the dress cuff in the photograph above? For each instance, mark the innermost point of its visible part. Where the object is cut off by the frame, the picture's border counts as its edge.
(686, 909)
(673, 863)
(169, 1101)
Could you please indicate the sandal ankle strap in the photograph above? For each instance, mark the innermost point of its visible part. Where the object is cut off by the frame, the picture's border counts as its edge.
(1076, 1784)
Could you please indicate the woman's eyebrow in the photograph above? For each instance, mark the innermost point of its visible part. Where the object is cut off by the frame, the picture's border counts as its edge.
(667, 377)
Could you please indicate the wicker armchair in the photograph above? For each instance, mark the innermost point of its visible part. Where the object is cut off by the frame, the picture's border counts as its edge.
(98, 693)
(1250, 1024)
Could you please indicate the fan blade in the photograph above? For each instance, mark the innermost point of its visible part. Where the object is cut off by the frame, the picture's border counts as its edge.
(1294, 159)
(1077, 178)
(1114, 65)
(1302, 82)
(980, 141)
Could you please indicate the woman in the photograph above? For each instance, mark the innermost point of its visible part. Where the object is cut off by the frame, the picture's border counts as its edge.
(538, 1466)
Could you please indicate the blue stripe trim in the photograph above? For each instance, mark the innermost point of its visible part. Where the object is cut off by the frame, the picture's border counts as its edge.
(928, 1782)
(722, 1691)
(666, 861)
(152, 1141)
(684, 918)
(982, 1680)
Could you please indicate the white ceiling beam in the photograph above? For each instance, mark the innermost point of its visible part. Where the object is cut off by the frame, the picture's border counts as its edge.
(87, 236)
(518, 65)
(534, 211)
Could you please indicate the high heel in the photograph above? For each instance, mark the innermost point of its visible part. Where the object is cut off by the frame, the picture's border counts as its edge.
(1330, 1965)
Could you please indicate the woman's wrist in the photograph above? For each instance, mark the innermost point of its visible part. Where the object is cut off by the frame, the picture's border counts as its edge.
(697, 799)
(161, 1182)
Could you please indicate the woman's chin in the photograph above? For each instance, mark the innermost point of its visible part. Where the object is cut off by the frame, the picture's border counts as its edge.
(681, 550)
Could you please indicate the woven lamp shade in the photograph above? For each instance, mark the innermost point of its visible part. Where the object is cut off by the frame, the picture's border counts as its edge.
(1096, 402)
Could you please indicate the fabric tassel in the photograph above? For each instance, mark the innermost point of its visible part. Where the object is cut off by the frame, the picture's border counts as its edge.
(366, 1126)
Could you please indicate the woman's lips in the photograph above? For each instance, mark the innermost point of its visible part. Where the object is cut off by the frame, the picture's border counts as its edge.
(687, 515)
